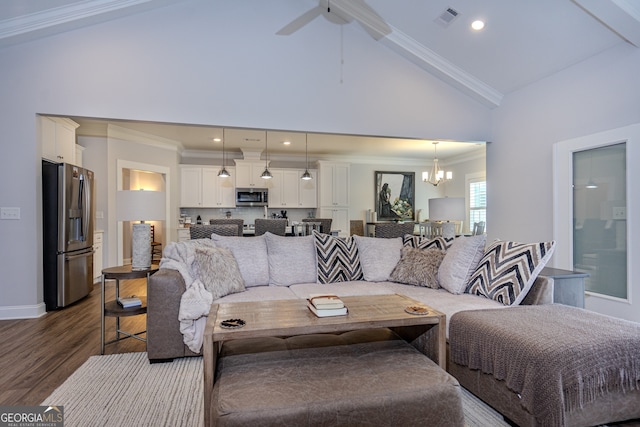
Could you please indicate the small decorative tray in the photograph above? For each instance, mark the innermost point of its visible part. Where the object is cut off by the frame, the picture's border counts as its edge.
(416, 310)
(232, 323)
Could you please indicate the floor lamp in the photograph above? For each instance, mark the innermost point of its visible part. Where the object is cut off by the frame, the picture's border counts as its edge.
(447, 209)
(140, 205)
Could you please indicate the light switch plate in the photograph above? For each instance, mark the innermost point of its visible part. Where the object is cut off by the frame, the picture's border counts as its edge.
(9, 213)
(619, 212)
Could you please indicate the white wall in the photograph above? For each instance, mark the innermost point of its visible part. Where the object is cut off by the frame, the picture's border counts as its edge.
(202, 62)
(599, 94)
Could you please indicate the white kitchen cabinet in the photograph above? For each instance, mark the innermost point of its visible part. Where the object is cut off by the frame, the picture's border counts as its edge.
(288, 190)
(201, 187)
(334, 184)
(308, 190)
(58, 139)
(248, 174)
(340, 217)
(283, 188)
(97, 256)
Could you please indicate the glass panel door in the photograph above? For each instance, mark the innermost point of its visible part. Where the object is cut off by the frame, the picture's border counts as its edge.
(600, 219)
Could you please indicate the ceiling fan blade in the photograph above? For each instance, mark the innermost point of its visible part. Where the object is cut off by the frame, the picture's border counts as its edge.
(300, 21)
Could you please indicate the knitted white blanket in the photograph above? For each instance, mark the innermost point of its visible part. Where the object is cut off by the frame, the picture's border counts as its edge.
(196, 300)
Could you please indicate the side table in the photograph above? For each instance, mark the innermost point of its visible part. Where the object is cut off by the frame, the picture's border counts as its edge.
(113, 309)
(568, 286)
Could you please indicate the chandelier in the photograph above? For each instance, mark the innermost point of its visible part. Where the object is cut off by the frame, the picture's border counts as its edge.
(437, 175)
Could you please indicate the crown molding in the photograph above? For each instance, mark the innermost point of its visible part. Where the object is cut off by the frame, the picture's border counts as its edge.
(117, 132)
(620, 16)
(71, 16)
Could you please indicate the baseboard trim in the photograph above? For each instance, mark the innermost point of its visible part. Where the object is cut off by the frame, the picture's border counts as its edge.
(22, 311)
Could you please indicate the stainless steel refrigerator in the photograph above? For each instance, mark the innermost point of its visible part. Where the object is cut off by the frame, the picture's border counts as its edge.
(67, 220)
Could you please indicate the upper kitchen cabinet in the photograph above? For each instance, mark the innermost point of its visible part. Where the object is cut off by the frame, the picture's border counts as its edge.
(201, 187)
(334, 183)
(248, 174)
(288, 190)
(308, 190)
(58, 139)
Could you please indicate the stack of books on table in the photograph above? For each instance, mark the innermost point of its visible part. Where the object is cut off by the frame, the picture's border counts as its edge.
(326, 305)
(129, 302)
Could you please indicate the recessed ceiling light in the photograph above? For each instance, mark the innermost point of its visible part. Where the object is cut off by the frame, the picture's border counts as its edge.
(217, 139)
(477, 25)
(286, 142)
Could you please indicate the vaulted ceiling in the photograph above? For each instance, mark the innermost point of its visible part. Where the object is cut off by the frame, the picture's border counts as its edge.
(523, 41)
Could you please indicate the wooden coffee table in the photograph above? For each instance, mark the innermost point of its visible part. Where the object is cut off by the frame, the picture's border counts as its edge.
(292, 317)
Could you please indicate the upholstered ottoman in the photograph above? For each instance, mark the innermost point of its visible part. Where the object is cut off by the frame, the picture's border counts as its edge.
(548, 365)
(367, 377)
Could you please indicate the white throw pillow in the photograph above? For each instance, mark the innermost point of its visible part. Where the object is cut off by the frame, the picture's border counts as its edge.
(292, 260)
(460, 262)
(250, 254)
(378, 256)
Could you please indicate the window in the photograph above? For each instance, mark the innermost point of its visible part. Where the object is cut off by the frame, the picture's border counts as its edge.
(477, 196)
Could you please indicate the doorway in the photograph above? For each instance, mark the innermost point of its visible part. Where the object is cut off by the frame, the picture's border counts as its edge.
(136, 176)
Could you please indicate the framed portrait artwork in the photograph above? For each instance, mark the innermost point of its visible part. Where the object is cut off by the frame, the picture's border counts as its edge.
(395, 195)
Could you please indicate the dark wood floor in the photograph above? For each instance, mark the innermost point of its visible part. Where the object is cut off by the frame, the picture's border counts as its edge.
(37, 355)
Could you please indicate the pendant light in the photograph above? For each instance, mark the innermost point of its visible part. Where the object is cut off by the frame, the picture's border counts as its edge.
(266, 174)
(306, 175)
(223, 172)
(437, 175)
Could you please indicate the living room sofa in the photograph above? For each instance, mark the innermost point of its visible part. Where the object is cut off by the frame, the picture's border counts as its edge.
(447, 275)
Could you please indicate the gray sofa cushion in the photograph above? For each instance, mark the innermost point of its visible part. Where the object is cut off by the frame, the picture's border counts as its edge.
(378, 257)
(251, 256)
(460, 262)
(291, 260)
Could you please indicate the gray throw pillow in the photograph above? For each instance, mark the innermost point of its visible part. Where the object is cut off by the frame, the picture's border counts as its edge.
(218, 271)
(460, 262)
(418, 267)
(378, 257)
(250, 254)
(292, 260)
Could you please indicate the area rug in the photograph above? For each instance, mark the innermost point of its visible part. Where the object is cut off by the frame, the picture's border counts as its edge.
(125, 390)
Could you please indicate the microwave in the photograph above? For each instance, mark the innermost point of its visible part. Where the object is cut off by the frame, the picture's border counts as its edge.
(252, 197)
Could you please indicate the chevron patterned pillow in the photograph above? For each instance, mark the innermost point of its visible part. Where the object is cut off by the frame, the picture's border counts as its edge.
(411, 241)
(338, 259)
(507, 270)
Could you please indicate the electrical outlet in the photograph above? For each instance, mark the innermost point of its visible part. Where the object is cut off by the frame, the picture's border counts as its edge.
(99, 215)
(9, 213)
(619, 212)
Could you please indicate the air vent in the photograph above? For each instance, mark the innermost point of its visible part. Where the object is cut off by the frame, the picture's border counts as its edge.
(447, 17)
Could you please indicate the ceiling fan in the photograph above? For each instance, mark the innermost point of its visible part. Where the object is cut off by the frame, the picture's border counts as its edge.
(342, 12)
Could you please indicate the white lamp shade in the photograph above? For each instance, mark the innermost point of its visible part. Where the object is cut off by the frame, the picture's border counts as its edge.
(447, 209)
(140, 205)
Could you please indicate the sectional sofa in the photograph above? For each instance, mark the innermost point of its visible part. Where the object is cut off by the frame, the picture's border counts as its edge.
(448, 275)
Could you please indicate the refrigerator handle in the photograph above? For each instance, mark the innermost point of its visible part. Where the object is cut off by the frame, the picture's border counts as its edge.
(82, 255)
(86, 208)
